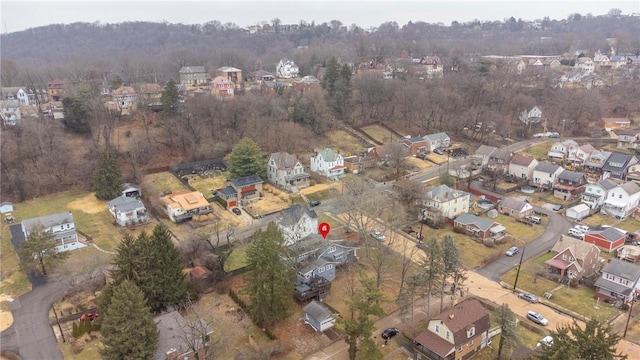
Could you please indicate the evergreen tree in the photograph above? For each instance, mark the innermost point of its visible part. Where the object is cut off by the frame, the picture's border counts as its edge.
(108, 180)
(596, 341)
(39, 251)
(169, 100)
(451, 267)
(431, 268)
(128, 330)
(246, 159)
(116, 82)
(506, 319)
(76, 117)
(271, 279)
(363, 301)
(331, 76)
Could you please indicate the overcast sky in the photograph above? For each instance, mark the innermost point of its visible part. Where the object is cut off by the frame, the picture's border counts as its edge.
(19, 15)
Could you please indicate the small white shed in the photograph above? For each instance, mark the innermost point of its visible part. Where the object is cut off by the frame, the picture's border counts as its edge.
(578, 212)
(6, 207)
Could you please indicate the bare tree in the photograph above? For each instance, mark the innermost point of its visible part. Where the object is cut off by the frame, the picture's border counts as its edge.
(396, 158)
(410, 193)
(196, 335)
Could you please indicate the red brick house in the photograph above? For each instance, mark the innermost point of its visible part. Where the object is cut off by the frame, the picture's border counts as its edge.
(479, 228)
(608, 239)
(415, 145)
(356, 164)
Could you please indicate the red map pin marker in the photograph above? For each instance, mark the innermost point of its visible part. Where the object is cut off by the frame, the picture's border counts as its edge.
(324, 229)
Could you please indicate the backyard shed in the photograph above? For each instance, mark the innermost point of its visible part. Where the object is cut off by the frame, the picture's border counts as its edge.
(6, 207)
(578, 212)
(319, 315)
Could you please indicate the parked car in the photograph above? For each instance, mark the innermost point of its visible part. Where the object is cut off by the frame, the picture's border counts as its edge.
(558, 207)
(533, 219)
(378, 235)
(546, 341)
(530, 298)
(438, 151)
(314, 203)
(582, 228)
(537, 318)
(512, 251)
(573, 232)
(389, 333)
(408, 230)
(236, 211)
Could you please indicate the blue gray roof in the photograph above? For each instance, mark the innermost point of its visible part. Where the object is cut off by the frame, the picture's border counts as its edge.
(126, 203)
(437, 136)
(470, 219)
(444, 193)
(328, 155)
(48, 221)
(247, 180)
(192, 69)
(571, 175)
(623, 269)
(630, 187)
(318, 310)
(606, 184)
(547, 168)
(610, 234)
(294, 213)
(617, 158)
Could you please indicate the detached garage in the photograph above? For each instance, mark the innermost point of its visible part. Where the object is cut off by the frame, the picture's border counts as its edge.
(578, 212)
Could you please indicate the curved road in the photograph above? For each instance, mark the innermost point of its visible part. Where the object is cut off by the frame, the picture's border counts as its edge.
(31, 336)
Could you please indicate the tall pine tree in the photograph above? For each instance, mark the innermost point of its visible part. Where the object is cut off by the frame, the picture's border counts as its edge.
(271, 279)
(108, 180)
(246, 159)
(39, 251)
(169, 100)
(128, 330)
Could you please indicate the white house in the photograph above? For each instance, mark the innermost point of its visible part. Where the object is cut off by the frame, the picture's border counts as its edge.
(578, 212)
(583, 153)
(585, 64)
(483, 154)
(286, 172)
(444, 202)
(522, 166)
(564, 150)
(620, 281)
(622, 200)
(435, 141)
(127, 211)
(532, 116)
(319, 315)
(287, 69)
(545, 175)
(10, 112)
(125, 97)
(60, 225)
(594, 194)
(328, 163)
(514, 207)
(296, 223)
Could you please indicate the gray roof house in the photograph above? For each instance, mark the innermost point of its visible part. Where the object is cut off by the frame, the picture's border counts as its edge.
(172, 331)
(193, 76)
(545, 175)
(596, 160)
(499, 160)
(514, 207)
(619, 281)
(319, 315)
(62, 227)
(127, 211)
(328, 163)
(322, 261)
(438, 140)
(6, 207)
(286, 172)
(296, 223)
(478, 227)
(617, 165)
(483, 154)
(570, 184)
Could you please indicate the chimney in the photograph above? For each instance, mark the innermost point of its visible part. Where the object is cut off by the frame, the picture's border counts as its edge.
(451, 316)
(172, 354)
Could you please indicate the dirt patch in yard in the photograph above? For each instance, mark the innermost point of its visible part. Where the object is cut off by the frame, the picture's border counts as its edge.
(437, 159)
(321, 187)
(6, 319)
(342, 140)
(418, 163)
(88, 204)
(379, 133)
(154, 184)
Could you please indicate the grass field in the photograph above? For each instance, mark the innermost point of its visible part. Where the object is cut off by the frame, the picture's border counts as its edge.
(379, 133)
(14, 282)
(161, 182)
(207, 185)
(538, 151)
(345, 142)
(437, 159)
(418, 163)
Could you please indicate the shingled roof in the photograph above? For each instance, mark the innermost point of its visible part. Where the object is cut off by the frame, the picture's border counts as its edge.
(294, 213)
(284, 160)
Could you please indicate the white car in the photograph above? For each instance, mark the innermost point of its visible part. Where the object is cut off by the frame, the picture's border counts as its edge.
(546, 341)
(582, 228)
(378, 235)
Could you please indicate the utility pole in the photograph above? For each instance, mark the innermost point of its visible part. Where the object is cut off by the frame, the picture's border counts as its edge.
(628, 318)
(519, 266)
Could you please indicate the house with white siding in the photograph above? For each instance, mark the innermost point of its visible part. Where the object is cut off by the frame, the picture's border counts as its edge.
(436, 141)
(442, 202)
(595, 194)
(521, 166)
(286, 172)
(328, 163)
(62, 227)
(622, 200)
(545, 175)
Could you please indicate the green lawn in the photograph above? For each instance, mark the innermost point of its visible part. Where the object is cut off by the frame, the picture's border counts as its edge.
(296, 199)
(322, 194)
(161, 182)
(538, 151)
(14, 282)
(580, 300)
(207, 185)
(237, 259)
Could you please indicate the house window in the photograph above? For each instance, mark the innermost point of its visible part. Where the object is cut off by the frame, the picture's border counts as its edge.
(459, 348)
(329, 266)
(564, 257)
(322, 268)
(332, 249)
(447, 335)
(471, 343)
(437, 328)
(471, 332)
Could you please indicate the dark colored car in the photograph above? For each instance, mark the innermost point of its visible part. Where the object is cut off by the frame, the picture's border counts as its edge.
(389, 333)
(438, 151)
(236, 211)
(314, 203)
(558, 207)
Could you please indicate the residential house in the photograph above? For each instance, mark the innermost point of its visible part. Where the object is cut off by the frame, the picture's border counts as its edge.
(319, 315)
(415, 144)
(563, 150)
(596, 160)
(479, 228)
(182, 206)
(499, 161)
(618, 61)
(552, 63)
(240, 191)
(442, 202)
(622, 200)
(382, 153)
(483, 154)
(222, 87)
(260, 76)
(533, 116)
(585, 64)
(633, 174)
(330, 255)
(27, 96)
(296, 223)
(193, 76)
(574, 259)
(428, 67)
(620, 282)
(595, 194)
(627, 138)
(111, 79)
(458, 332)
(608, 239)
(60, 225)
(287, 69)
(231, 74)
(125, 98)
(545, 175)
(583, 153)
(617, 165)
(275, 87)
(307, 82)
(177, 337)
(514, 207)
(521, 166)
(601, 61)
(150, 95)
(10, 112)
(286, 172)
(570, 184)
(127, 211)
(357, 163)
(56, 90)
(328, 163)
(610, 124)
(437, 141)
